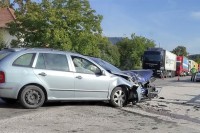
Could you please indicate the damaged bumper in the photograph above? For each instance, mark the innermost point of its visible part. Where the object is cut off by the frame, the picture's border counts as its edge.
(150, 91)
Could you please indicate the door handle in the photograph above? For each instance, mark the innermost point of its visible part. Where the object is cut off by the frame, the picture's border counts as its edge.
(42, 74)
(79, 77)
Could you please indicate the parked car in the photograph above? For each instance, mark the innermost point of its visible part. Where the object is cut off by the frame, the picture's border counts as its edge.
(144, 78)
(197, 77)
(34, 76)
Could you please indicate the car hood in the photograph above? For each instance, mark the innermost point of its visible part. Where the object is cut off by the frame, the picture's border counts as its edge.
(140, 75)
(123, 75)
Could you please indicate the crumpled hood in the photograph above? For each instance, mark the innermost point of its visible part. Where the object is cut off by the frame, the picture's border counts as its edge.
(140, 75)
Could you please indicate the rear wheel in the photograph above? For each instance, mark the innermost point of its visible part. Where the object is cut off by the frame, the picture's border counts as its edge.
(118, 97)
(32, 97)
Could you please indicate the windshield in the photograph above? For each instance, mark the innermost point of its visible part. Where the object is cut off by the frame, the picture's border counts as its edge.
(178, 64)
(152, 56)
(106, 65)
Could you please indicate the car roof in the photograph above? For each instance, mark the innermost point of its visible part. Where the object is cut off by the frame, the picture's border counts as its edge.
(36, 50)
(12, 49)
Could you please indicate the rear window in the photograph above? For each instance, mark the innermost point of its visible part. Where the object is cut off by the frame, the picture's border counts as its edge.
(25, 60)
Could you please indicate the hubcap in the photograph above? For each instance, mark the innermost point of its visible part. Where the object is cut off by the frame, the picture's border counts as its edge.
(32, 97)
(119, 98)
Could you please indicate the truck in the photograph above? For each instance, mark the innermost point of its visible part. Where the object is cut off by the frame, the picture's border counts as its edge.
(182, 66)
(161, 61)
(198, 67)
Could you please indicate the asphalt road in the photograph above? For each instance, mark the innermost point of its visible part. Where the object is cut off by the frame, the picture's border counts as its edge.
(90, 117)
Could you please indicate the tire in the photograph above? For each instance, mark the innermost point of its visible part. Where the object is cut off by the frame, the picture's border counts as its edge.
(9, 100)
(32, 97)
(118, 97)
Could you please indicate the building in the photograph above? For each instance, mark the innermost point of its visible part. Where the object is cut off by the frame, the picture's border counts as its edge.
(6, 16)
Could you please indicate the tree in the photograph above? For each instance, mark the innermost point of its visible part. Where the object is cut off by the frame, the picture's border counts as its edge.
(4, 3)
(60, 24)
(109, 52)
(180, 51)
(132, 49)
(197, 60)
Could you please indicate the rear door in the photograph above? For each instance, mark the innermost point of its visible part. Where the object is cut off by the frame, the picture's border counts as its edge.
(53, 70)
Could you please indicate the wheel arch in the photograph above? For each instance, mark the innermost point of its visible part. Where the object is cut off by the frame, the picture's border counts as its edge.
(36, 84)
(131, 91)
(124, 87)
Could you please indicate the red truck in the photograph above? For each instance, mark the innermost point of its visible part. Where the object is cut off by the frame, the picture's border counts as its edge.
(198, 67)
(182, 67)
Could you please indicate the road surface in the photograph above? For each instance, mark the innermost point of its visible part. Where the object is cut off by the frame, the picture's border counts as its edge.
(158, 115)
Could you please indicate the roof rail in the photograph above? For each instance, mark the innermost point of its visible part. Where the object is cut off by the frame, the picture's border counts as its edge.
(13, 49)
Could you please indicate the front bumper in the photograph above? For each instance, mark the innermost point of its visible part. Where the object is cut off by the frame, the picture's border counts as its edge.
(135, 94)
(150, 92)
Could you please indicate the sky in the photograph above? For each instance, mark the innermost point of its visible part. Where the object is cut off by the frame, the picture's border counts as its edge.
(170, 23)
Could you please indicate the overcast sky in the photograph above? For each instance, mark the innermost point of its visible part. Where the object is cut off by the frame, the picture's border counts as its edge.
(168, 22)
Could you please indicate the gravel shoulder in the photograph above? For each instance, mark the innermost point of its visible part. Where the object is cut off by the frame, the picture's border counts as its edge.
(179, 101)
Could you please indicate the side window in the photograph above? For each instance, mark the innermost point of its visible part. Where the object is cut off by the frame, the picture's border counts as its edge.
(52, 62)
(40, 62)
(25, 60)
(84, 66)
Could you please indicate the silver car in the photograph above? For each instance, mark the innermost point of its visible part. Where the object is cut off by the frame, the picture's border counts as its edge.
(197, 77)
(34, 76)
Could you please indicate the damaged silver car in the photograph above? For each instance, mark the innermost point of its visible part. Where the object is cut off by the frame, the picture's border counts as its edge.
(35, 76)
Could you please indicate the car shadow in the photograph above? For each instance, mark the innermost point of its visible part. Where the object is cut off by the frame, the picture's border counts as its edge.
(15, 105)
(56, 104)
(76, 103)
(195, 100)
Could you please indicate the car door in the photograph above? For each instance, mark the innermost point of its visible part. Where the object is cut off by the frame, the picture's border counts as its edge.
(89, 81)
(53, 70)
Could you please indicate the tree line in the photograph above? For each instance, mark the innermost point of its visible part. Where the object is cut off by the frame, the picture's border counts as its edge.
(72, 25)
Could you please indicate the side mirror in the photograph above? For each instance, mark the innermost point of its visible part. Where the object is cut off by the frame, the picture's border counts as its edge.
(100, 72)
(103, 72)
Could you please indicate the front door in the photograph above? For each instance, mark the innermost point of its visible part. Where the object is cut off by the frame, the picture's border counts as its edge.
(89, 82)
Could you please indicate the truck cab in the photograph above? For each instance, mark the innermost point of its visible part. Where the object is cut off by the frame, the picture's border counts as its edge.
(161, 61)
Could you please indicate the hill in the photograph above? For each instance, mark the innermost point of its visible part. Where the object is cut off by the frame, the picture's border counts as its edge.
(193, 57)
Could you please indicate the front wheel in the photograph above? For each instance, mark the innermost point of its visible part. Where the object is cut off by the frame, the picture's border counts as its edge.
(32, 97)
(118, 97)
